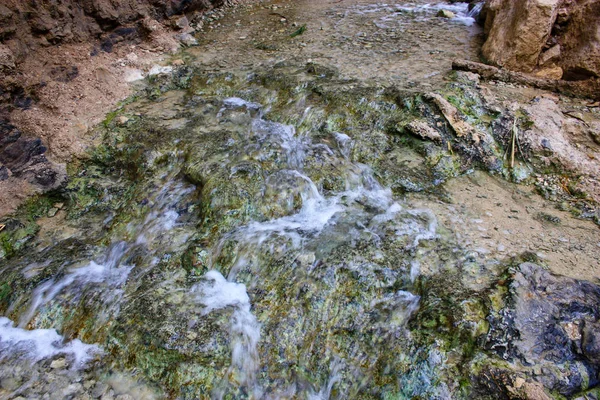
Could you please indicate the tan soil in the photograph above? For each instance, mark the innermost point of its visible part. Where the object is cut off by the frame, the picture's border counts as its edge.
(498, 220)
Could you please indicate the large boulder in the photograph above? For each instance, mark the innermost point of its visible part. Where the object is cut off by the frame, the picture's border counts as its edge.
(517, 31)
(579, 38)
(551, 38)
(550, 328)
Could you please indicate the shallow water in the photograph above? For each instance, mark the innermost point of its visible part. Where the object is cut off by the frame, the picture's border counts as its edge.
(264, 232)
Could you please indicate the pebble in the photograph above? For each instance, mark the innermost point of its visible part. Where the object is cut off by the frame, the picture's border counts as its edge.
(122, 120)
(59, 363)
(100, 389)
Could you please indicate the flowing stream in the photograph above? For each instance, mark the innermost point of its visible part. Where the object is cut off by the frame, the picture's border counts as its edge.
(248, 233)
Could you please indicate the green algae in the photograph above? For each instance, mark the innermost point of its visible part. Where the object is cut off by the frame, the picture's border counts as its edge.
(317, 305)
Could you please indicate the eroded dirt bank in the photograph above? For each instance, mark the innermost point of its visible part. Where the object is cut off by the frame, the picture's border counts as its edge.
(64, 66)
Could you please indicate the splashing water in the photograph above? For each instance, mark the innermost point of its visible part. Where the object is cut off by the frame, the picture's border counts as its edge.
(108, 275)
(217, 293)
(40, 344)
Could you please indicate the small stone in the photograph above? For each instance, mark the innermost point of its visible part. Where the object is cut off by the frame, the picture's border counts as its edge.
(110, 395)
(124, 397)
(100, 389)
(422, 129)
(52, 212)
(122, 120)
(72, 390)
(132, 57)
(59, 363)
(7, 60)
(192, 335)
(445, 14)
(554, 73)
(519, 382)
(179, 62)
(187, 39)
(181, 23)
(553, 53)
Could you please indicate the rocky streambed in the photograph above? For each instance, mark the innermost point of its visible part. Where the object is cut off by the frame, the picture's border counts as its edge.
(313, 215)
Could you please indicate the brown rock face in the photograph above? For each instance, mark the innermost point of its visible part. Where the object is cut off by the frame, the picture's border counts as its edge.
(517, 32)
(552, 38)
(27, 24)
(579, 36)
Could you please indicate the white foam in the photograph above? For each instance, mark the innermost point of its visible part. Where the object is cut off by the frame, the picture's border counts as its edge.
(81, 277)
(218, 293)
(236, 102)
(415, 270)
(335, 376)
(344, 143)
(39, 344)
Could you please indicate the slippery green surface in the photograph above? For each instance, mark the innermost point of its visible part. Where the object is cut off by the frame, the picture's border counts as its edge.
(288, 198)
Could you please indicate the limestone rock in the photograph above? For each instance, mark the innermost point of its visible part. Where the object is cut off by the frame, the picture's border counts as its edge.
(517, 31)
(551, 54)
(550, 73)
(422, 129)
(523, 35)
(580, 41)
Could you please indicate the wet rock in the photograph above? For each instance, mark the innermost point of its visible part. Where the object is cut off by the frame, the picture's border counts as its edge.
(7, 60)
(422, 129)
(452, 115)
(591, 342)
(100, 389)
(16, 151)
(545, 321)
(3, 173)
(24, 158)
(446, 14)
